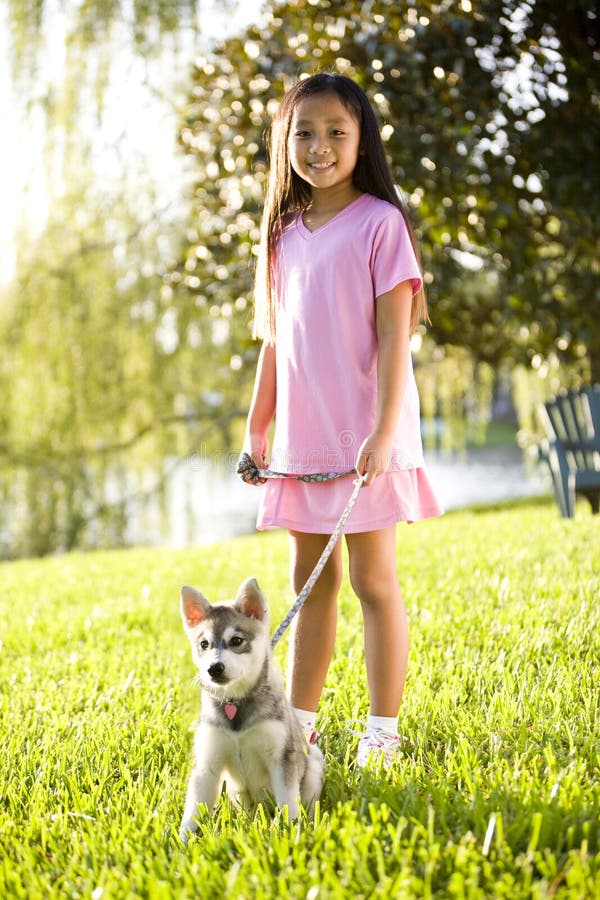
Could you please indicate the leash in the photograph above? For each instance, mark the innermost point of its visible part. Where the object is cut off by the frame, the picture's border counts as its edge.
(249, 471)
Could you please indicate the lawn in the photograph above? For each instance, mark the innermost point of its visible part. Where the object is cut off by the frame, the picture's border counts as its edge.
(497, 794)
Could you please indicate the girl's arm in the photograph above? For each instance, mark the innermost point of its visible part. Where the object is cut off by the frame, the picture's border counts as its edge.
(393, 327)
(262, 406)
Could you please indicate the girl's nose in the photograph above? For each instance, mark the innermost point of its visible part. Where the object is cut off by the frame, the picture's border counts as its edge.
(320, 145)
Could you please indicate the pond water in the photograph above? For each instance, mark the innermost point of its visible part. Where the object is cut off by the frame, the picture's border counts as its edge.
(206, 501)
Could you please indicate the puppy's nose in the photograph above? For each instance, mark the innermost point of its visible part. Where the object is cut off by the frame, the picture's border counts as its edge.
(216, 670)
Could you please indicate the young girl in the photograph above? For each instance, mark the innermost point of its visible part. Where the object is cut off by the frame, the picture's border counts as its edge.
(339, 289)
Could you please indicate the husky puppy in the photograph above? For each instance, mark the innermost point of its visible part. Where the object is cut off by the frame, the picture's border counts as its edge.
(248, 734)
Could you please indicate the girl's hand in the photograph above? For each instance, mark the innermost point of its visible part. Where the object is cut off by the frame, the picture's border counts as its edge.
(374, 457)
(257, 447)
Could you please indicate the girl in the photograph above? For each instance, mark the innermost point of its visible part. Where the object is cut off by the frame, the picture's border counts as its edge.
(338, 291)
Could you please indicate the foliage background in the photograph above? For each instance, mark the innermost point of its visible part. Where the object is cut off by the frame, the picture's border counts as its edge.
(124, 328)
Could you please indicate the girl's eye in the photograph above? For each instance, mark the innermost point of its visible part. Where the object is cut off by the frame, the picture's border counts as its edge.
(204, 645)
(236, 641)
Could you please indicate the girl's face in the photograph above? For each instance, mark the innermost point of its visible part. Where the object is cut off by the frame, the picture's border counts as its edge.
(324, 142)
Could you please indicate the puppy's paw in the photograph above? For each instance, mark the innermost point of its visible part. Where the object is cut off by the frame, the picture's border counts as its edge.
(186, 830)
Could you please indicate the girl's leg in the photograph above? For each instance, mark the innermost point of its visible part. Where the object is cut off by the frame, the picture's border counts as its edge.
(374, 580)
(313, 630)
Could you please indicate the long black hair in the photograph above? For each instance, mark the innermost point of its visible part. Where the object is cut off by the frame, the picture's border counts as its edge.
(287, 191)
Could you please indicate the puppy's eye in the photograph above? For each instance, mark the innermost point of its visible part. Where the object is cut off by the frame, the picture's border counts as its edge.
(236, 641)
(204, 645)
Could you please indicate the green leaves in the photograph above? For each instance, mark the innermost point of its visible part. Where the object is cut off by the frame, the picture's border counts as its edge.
(455, 87)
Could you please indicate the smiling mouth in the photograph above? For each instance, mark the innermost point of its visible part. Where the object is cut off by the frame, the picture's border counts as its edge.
(321, 167)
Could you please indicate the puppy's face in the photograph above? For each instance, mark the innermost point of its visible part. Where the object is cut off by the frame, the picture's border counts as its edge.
(229, 640)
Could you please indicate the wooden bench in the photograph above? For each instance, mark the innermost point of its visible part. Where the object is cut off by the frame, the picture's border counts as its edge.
(572, 446)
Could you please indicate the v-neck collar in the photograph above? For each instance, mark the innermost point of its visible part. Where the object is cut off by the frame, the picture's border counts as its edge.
(307, 234)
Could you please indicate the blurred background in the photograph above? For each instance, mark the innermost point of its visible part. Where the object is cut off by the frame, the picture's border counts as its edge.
(132, 167)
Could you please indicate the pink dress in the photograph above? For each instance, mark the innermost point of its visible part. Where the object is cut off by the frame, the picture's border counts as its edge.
(326, 285)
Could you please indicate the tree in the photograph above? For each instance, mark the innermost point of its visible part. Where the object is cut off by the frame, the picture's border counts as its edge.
(99, 384)
(479, 103)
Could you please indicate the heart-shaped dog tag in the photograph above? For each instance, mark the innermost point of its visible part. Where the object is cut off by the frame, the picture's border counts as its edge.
(230, 710)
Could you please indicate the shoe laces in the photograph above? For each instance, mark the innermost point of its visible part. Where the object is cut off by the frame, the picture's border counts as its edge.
(379, 739)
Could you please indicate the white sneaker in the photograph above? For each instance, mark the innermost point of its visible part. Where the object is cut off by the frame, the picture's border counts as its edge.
(378, 746)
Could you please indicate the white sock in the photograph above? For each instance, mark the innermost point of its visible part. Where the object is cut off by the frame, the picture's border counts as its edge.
(307, 719)
(382, 722)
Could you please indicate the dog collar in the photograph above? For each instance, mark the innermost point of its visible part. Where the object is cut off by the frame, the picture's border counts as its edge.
(230, 706)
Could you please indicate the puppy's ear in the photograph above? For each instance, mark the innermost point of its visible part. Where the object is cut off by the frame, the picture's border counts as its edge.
(251, 601)
(194, 607)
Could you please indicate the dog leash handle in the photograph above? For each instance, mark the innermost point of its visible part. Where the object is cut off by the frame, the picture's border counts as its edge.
(249, 472)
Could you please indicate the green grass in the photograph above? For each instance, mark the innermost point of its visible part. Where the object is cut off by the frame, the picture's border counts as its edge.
(498, 792)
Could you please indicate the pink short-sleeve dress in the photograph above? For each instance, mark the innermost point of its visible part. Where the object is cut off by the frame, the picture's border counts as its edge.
(326, 284)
